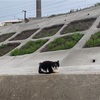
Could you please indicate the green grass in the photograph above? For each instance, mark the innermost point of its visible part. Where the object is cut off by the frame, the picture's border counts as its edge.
(62, 43)
(29, 47)
(94, 41)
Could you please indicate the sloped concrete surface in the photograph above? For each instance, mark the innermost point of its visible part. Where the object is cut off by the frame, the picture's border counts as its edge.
(78, 77)
(50, 87)
(28, 64)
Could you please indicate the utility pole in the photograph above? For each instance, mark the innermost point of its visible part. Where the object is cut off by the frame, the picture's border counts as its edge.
(38, 8)
(25, 19)
(24, 14)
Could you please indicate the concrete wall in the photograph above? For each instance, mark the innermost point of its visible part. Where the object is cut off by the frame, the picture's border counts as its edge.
(50, 87)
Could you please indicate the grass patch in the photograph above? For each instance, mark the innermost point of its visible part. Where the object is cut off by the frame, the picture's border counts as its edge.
(62, 43)
(29, 47)
(79, 25)
(94, 41)
(49, 31)
(5, 48)
(3, 37)
(24, 34)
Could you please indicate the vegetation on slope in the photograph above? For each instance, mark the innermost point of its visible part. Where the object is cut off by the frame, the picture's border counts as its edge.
(62, 43)
(94, 41)
(29, 47)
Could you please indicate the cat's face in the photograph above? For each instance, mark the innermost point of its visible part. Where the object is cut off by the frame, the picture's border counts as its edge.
(56, 64)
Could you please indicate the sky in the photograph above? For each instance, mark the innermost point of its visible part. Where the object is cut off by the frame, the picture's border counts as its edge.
(13, 9)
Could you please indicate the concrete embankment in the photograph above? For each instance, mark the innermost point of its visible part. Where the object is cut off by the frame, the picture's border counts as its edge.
(50, 87)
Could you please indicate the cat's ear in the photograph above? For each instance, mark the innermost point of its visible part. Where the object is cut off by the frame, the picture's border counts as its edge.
(40, 63)
(58, 61)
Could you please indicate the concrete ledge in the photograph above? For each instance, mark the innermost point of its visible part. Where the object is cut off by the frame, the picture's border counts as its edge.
(50, 87)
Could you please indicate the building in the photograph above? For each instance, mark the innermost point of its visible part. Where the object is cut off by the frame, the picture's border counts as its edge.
(10, 22)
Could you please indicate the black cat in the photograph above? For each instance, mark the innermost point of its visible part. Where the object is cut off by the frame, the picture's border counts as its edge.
(48, 67)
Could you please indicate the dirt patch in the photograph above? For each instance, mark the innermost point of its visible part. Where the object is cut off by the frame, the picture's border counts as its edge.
(48, 31)
(24, 34)
(5, 48)
(98, 26)
(79, 25)
(3, 37)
